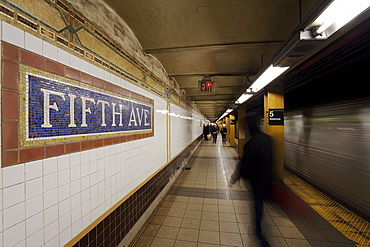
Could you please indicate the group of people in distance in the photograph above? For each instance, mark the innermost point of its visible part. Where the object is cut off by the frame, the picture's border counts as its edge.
(210, 131)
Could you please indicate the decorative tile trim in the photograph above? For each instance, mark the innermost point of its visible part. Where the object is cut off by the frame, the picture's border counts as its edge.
(67, 38)
(6, 11)
(18, 147)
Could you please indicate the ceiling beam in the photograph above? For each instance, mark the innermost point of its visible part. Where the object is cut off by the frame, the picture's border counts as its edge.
(212, 97)
(246, 74)
(240, 87)
(275, 42)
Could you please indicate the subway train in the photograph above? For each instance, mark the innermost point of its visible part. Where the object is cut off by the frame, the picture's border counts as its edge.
(329, 146)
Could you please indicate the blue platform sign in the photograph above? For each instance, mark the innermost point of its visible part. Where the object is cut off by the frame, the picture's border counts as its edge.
(59, 109)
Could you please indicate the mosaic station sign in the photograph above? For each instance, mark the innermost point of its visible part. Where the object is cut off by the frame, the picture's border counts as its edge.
(57, 109)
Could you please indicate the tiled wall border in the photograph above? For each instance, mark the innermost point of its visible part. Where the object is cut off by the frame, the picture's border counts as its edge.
(12, 153)
(68, 40)
(112, 227)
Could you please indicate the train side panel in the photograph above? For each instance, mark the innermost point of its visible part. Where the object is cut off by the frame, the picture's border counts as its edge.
(330, 147)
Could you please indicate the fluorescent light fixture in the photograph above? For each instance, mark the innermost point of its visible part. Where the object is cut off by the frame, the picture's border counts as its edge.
(243, 98)
(337, 14)
(225, 114)
(267, 76)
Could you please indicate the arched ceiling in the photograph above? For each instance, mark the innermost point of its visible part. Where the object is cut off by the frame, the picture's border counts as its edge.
(227, 40)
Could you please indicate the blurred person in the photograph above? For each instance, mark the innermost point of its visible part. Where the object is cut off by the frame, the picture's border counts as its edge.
(205, 132)
(256, 166)
(214, 130)
(223, 133)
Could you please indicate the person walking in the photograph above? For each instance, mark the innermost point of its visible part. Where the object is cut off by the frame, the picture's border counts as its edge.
(256, 166)
(214, 132)
(223, 133)
(205, 131)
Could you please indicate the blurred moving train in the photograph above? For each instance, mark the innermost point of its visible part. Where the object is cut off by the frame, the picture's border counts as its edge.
(329, 146)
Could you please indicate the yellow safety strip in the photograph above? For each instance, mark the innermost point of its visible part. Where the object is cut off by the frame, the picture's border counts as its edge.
(344, 220)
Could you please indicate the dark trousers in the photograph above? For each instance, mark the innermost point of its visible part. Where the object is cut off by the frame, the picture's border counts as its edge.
(214, 137)
(258, 206)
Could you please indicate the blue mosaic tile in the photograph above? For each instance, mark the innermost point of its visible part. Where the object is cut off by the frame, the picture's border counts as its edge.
(57, 109)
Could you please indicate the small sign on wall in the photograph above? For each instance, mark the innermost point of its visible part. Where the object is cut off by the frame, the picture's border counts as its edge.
(242, 134)
(168, 93)
(276, 116)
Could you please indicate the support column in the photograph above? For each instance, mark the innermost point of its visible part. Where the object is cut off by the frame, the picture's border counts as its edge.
(232, 131)
(242, 129)
(227, 122)
(274, 125)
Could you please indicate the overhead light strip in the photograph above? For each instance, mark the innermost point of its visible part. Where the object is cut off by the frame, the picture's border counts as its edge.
(270, 74)
(243, 98)
(337, 14)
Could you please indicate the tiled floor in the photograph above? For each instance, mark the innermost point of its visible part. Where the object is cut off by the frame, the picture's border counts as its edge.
(203, 210)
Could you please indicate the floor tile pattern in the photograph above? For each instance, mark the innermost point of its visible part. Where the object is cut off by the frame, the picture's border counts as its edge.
(203, 210)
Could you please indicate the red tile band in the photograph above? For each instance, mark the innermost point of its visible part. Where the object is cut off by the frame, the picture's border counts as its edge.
(12, 150)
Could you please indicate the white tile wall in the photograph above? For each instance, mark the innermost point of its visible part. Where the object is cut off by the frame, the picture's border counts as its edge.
(34, 188)
(182, 131)
(33, 169)
(12, 34)
(13, 175)
(15, 234)
(33, 43)
(48, 202)
(13, 195)
(14, 215)
(74, 62)
(34, 205)
(49, 51)
(197, 125)
(34, 224)
(36, 239)
(63, 57)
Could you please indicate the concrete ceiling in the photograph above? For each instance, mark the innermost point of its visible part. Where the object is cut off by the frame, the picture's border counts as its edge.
(228, 40)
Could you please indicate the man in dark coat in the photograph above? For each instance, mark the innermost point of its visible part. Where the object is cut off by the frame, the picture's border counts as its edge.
(205, 131)
(256, 166)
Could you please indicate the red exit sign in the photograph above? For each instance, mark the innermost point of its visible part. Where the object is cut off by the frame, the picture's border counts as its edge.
(206, 86)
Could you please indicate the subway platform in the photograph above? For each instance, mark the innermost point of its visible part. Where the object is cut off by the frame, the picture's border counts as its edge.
(202, 209)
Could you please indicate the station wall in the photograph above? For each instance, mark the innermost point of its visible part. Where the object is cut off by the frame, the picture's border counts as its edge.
(80, 183)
